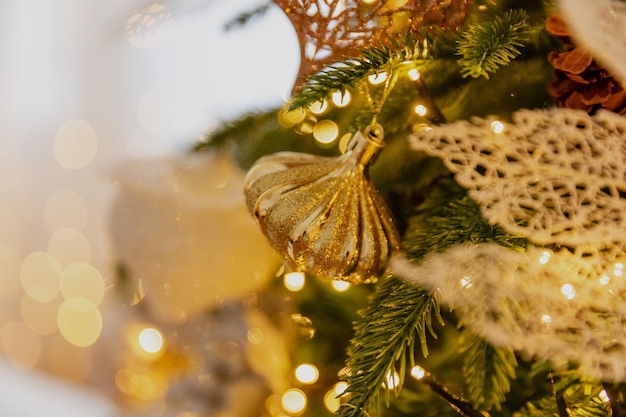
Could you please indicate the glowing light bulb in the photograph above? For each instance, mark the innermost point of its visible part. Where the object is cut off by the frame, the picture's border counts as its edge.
(392, 380)
(340, 387)
(331, 401)
(568, 291)
(294, 401)
(150, 340)
(294, 281)
(604, 396)
(318, 107)
(414, 74)
(545, 257)
(340, 286)
(418, 372)
(307, 373)
(497, 127)
(378, 78)
(341, 99)
(325, 131)
(368, 1)
(466, 282)
(420, 110)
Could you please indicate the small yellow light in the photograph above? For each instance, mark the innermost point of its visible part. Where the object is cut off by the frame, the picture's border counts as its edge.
(421, 110)
(418, 372)
(255, 336)
(392, 380)
(307, 373)
(497, 127)
(294, 281)
(604, 396)
(150, 340)
(289, 118)
(378, 78)
(604, 279)
(545, 257)
(546, 320)
(325, 131)
(618, 269)
(331, 401)
(368, 1)
(466, 282)
(318, 107)
(340, 286)
(568, 291)
(294, 401)
(341, 99)
(414, 74)
(340, 388)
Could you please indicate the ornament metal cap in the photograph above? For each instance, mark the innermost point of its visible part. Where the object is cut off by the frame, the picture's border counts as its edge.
(323, 214)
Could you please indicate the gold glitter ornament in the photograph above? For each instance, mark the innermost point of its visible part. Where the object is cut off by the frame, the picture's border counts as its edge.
(323, 214)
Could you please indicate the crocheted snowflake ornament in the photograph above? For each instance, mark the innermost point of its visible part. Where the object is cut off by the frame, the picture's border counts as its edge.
(558, 178)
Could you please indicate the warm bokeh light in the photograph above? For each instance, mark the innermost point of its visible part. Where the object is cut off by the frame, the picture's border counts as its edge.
(545, 257)
(150, 340)
(414, 74)
(75, 144)
(618, 269)
(294, 281)
(604, 279)
(79, 321)
(20, 344)
(291, 118)
(255, 336)
(420, 110)
(40, 275)
(341, 99)
(151, 27)
(69, 246)
(568, 291)
(82, 280)
(307, 373)
(546, 320)
(340, 387)
(294, 401)
(466, 282)
(318, 107)
(304, 326)
(325, 131)
(497, 127)
(378, 78)
(65, 209)
(418, 372)
(340, 286)
(392, 380)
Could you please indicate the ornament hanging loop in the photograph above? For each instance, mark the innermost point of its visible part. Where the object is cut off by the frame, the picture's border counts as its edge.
(366, 144)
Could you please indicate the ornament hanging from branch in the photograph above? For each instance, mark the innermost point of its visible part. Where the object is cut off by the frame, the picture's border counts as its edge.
(322, 214)
(556, 178)
(333, 30)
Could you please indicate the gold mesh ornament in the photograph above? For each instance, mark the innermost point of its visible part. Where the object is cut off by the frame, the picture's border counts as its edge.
(322, 214)
(333, 30)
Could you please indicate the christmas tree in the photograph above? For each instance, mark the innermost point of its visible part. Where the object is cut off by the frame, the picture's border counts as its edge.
(445, 189)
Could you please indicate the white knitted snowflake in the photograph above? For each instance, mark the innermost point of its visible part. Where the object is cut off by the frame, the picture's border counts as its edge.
(557, 178)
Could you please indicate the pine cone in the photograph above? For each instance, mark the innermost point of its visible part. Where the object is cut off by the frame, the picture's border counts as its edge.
(580, 82)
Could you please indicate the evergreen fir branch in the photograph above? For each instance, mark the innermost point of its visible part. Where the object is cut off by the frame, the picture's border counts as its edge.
(407, 53)
(246, 17)
(397, 317)
(488, 45)
(487, 369)
(450, 217)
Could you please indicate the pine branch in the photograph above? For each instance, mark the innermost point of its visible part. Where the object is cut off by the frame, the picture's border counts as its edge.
(488, 45)
(404, 54)
(487, 369)
(245, 18)
(398, 316)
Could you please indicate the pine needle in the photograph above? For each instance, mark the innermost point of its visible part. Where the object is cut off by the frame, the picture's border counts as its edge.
(487, 369)
(398, 316)
(488, 45)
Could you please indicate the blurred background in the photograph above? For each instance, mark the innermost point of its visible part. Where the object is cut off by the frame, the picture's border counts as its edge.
(87, 86)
